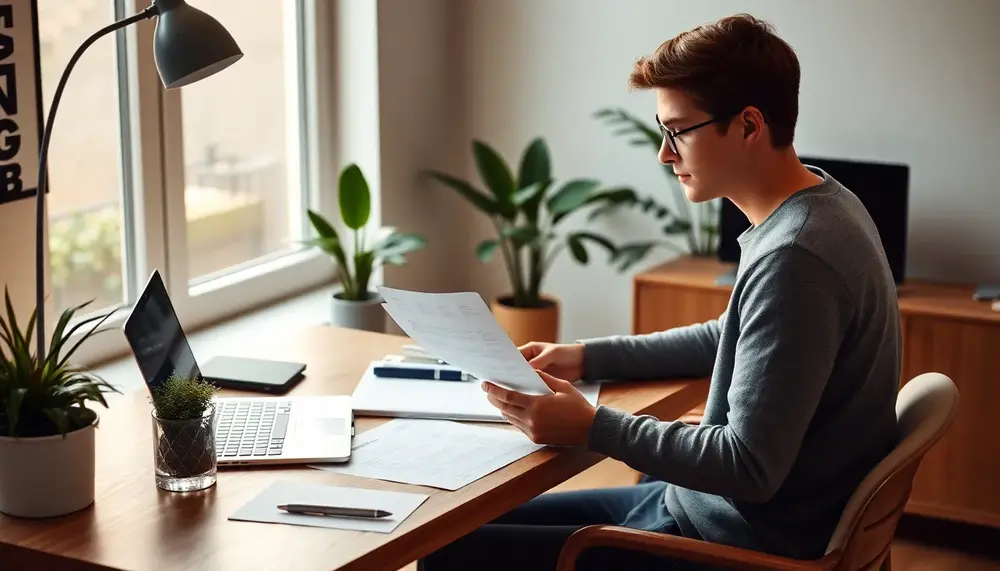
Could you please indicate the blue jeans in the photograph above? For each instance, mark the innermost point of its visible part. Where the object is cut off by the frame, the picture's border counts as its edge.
(531, 536)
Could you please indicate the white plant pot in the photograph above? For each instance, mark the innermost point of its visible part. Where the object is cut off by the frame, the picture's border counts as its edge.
(367, 315)
(47, 476)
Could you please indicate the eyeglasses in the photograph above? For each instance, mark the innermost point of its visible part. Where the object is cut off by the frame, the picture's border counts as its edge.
(671, 135)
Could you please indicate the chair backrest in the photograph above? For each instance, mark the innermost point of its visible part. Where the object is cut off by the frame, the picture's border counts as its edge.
(925, 408)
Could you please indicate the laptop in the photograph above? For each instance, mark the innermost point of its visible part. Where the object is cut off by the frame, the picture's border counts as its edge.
(248, 430)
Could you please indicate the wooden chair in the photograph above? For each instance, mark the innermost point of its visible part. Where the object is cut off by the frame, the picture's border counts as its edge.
(925, 408)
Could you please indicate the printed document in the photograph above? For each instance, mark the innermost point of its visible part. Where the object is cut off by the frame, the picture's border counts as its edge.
(437, 453)
(461, 329)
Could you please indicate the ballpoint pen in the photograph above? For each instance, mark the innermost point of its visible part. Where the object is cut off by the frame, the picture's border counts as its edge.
(336, 511)
(430, 373)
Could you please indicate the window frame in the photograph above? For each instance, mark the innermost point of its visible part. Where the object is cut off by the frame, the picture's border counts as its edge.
(152, 176)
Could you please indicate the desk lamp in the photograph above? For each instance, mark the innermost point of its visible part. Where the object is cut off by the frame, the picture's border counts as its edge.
(188, 46)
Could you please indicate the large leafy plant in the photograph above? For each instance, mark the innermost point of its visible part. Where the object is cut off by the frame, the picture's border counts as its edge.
(46, 398)
(528, 211)
(389, 246)
(699, 228)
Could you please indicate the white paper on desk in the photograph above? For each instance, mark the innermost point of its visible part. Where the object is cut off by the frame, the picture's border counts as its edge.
(460, 329)
(263, 507)
(437, 453)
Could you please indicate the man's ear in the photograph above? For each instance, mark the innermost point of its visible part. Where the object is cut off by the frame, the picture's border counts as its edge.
(753, 121)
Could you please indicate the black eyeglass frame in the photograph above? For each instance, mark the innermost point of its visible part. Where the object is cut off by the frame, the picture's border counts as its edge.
(671, 135)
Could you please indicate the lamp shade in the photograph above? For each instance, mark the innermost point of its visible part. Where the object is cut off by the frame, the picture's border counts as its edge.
(189, 45)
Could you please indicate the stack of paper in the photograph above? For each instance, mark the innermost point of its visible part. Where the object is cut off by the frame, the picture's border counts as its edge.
(460, 329)
(437, 453)
(422, 398)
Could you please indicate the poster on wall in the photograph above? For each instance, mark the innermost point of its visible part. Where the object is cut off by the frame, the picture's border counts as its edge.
(20, 103)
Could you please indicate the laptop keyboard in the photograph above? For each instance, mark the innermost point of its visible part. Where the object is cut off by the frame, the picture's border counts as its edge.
(251, 428)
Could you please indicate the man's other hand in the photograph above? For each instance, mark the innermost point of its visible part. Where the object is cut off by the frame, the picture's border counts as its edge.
(561, 419)
(563, 361)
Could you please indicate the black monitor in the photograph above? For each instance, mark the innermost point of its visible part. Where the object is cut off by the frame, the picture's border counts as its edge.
(882, 187)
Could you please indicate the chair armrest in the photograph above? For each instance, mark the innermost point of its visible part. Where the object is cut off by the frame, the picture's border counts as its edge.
(683, 548)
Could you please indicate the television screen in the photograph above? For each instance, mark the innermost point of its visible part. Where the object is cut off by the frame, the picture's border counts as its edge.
(882, 187)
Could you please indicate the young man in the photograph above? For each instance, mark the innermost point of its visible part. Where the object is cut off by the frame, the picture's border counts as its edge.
(804, 363)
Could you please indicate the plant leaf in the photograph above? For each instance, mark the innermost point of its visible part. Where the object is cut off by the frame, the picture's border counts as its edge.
(571, 196)
(521, 235)
(14, 409)
(355, 198)
(485, 250)
(363, 263)
(601, 240)
(677, 227)
(494, 172)
(329, 242)
(397, 244)
(577, 249)
(468, 192)
(536, 165)
(529, 193)
(630, 254)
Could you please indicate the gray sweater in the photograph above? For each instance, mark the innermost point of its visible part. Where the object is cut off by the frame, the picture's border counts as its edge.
(804, 367)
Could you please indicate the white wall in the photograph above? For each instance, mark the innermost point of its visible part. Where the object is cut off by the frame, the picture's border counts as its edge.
(421, 127)
(900, 80)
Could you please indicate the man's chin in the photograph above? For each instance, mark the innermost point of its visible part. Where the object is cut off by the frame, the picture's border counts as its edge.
(696, 195)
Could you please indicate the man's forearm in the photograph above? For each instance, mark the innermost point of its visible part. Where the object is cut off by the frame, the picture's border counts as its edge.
(679, 352)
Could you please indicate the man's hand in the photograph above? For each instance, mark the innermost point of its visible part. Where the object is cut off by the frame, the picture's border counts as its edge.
(561, 419)
(562, 360)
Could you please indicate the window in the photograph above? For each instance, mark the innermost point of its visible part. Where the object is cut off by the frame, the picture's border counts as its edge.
(240, 203)
(85, 203)
(207, 183)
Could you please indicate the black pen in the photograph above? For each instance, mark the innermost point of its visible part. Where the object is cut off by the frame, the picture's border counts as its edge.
(308, 509)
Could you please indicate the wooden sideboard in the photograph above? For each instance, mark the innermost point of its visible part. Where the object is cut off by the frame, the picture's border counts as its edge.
(944, 330)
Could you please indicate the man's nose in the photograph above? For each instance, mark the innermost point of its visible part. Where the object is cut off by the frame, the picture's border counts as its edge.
(666, 155)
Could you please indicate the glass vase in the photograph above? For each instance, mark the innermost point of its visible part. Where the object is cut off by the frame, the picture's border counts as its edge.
(184, 452)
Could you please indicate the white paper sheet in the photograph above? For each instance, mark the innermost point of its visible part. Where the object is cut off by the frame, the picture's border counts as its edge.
(437, 453)
(460, 328)
(263, 507)
(443, 400)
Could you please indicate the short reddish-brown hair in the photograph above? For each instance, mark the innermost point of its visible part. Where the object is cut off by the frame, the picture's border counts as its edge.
(726, 66)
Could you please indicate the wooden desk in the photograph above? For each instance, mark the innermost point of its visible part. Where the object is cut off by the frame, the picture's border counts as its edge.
(944, 330)
(134, 525)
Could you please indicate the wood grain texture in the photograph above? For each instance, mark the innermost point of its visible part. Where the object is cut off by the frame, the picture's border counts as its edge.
(957, 479)
(944, 330)
(134, 525)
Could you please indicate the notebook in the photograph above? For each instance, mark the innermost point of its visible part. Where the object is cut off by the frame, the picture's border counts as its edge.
(419, 398)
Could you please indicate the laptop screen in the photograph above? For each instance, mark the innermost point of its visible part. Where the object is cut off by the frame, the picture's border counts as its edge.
(156, 337)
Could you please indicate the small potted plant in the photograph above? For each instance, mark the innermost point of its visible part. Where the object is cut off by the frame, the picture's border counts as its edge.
(527, 212)
(355, 304)
(183, 434)
(47, 433)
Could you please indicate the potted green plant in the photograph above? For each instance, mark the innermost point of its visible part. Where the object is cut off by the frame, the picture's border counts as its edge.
(697, 223)
(183, 434)
(528, 213)
(356, 305)
(46, 430)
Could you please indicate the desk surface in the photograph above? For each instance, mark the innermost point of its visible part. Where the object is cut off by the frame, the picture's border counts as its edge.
(134, 525)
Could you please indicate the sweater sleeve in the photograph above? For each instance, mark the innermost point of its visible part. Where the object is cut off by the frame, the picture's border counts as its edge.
(679, 352)
(792, 317)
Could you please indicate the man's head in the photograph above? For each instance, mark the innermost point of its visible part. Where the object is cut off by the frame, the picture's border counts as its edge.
(735, 85)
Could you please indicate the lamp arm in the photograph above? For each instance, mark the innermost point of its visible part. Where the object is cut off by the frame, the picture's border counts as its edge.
(149, 12)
